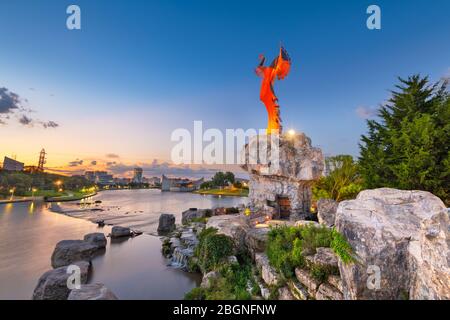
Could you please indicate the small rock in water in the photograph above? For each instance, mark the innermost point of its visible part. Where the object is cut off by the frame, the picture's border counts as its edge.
(95, 291)
(118, 232)
(97, 239)
(100, 223)
(136, 233)
(69, 251)
(166, 223)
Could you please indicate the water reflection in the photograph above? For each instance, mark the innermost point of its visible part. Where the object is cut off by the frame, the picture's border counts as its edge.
(132, 267)
(31, 208)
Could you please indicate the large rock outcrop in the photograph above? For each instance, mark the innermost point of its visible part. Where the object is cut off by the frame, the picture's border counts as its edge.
(401, 238)
(283, 168)
(326, 211)
(234, 225)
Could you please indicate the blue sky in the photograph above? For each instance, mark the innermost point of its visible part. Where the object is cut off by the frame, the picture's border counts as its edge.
(140, 69)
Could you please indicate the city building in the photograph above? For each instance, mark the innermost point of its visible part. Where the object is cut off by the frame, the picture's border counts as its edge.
(137, 176)
(122, 181)
(12, 165)
(180, 184)
(153, 181)
(101, 178)
(90, 176)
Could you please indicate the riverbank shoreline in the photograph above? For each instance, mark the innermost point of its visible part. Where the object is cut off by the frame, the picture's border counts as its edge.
(70, 198)
(223, 192)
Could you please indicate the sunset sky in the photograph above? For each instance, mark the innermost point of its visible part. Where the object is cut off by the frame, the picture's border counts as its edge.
(109, 96)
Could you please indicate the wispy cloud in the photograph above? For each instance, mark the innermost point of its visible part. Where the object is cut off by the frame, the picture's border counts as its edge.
(9, 101)
(26, 121)
(12, 103)
(76, 163)
(49, 124)
(365, 112)
(112, 156)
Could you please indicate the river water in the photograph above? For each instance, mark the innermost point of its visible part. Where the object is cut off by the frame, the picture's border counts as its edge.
(133, 268)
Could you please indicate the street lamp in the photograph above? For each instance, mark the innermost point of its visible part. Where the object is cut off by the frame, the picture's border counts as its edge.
(12, 192)
(33, 191)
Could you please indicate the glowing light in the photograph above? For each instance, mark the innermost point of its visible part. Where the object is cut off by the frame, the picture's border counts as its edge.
(291, 132)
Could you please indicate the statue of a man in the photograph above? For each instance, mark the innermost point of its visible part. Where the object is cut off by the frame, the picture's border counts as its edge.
(278, 69)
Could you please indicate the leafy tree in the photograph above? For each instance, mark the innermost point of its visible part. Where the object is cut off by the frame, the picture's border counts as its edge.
(221, 179)
(409, 147)
(342, 182)
(229, 177)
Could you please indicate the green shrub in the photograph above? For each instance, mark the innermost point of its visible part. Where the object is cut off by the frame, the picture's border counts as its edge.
(212, 249)
(195, 294)
(230, 285)
(288, 246)
(342, 183)
(342, 248)
(166, 250)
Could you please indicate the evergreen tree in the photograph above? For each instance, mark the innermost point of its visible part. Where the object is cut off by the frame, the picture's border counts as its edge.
(409, 147)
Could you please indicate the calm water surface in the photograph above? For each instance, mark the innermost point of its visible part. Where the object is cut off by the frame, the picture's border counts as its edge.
(133, 268)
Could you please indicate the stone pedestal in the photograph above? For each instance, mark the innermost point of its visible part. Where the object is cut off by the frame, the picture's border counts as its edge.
(282, 170)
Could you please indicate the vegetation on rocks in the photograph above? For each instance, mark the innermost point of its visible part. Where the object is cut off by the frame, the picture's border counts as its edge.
(213, 248)
(288, 246)
(235, 282)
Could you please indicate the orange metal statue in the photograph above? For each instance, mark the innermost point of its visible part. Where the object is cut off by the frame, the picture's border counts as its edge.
(278, 69)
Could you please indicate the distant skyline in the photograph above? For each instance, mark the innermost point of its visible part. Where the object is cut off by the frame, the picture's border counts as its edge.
(107, 97)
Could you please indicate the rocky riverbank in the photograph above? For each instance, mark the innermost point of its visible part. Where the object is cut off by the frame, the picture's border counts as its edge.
(385, 244)
(71, 262)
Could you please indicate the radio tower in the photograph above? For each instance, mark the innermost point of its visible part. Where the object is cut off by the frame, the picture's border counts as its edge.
(42, 161)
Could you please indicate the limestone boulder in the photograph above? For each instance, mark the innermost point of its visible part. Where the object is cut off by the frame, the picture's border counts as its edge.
(69, 251)
(193, 213)
(325, 257)
(96, 291)
(328, 292)
(119, 232)
(298, 291)
(97, 239)
(326, 211)
(401, 239)
(304, 277)
(336, 282)
(268, 273)
(53, 284)
(285, 294)
(166, 223)
(256, 240)
(295, 157)
(234, 225)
